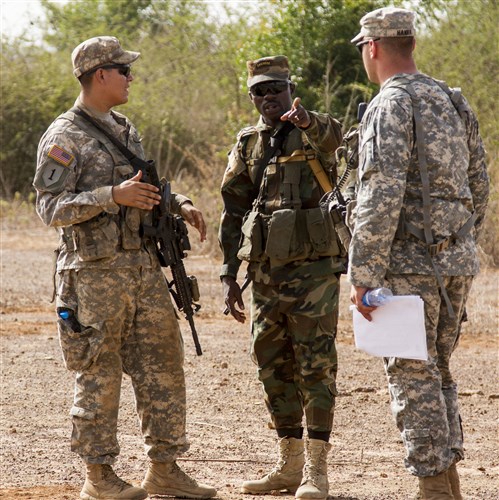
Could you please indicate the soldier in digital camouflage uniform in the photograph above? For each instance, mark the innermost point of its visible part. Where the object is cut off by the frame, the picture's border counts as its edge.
(423, 190)
(294, 264)
(115, 311)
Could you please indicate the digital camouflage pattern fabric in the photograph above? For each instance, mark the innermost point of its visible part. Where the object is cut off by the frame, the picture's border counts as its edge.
(386, 22)
(389, 179)
(430, 426)
(108, 276)
(390, 196)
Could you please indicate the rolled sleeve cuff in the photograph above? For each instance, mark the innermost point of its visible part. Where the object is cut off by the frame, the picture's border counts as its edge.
(312, 130)
(229, 270)
(177, 201)
(104, 197)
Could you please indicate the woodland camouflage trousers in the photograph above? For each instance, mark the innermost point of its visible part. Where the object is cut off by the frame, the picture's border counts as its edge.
(294, 331)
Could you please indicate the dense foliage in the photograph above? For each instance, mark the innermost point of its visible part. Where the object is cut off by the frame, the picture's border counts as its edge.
(189, 97)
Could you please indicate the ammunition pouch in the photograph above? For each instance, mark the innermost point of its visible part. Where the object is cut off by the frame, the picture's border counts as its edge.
(97, 238)
(251, 245)
(289, 235)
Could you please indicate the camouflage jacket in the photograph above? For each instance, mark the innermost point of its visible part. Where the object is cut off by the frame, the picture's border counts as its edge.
(389, 181)
(238, 192)
(77, 167)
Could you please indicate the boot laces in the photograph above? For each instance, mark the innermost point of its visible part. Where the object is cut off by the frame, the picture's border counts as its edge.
(182, 476)
(110, 476)
(313, 468)
(284, 453)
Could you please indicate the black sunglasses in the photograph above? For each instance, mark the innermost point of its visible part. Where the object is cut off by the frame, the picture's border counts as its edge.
(123, 69)
(273, 88)
(364, 42)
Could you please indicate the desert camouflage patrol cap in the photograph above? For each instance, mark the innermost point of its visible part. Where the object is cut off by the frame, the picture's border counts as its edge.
(386, 22)
(99, 51)
(267, 69)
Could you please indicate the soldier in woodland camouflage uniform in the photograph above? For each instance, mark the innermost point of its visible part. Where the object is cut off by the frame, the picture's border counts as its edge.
(115, 311)
(423, 190)
(294, 265)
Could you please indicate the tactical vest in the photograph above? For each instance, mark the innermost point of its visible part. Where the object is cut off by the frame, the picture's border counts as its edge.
(405, 228)
(102, 236)
(281, 226)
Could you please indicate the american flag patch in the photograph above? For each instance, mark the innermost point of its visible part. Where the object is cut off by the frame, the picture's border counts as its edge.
(60, 156)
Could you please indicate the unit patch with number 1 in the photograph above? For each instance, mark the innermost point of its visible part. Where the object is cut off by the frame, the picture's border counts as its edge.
(53, 173)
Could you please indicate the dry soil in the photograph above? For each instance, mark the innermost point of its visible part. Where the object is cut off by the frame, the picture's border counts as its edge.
(228, 425)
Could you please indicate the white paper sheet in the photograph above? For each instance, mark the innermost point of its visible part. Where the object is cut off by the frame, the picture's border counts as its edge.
(397, 329)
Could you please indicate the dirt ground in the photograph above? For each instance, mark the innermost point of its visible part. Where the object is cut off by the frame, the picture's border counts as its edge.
(227, 420)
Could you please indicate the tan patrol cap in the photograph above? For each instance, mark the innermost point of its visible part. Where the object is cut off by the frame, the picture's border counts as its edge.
(99, 51)
(268, 69)
(386, 22)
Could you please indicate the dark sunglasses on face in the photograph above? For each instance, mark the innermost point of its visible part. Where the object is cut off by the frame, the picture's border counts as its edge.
(273, 88)
(364, 42)
(123, 69)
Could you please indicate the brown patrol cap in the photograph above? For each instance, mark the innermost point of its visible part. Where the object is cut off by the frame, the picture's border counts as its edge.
(268, 69)
(386, 22)
(99, 51)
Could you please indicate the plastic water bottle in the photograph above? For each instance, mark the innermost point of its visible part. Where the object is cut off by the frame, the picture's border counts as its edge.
(64, 314)
(68, 316)
(377, 297)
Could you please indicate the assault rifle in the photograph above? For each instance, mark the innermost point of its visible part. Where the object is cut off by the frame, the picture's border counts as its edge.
(348, 153)
(168, 233)
(170, 236)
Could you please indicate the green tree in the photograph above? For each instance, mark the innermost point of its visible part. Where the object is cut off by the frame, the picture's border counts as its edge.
(461, 48)
(70, 23)
(34, 89)
(315, 35)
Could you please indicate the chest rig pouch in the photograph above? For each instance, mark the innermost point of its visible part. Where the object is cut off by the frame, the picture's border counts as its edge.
(296, 233)
(102, 236)
(278, 228)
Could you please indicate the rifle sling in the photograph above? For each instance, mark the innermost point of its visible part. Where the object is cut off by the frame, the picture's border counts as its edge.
(135, 161)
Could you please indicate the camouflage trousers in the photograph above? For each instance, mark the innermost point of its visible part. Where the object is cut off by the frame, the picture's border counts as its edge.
(423, 393)
(294, 331)
(128, 325)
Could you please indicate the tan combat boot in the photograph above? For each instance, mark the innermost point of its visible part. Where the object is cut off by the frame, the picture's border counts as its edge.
(167, 478)
(102, 482)
(436, 487)
(315, 483)
(286, 475)
(454, 482)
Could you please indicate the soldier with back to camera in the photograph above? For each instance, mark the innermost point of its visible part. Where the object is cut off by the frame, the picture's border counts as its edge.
(423, 190)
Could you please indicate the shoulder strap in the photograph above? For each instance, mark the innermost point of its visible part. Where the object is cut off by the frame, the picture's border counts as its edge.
(147, 167)
(122, 148)
(425, 181)
(276, 142)
(455, 96)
